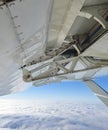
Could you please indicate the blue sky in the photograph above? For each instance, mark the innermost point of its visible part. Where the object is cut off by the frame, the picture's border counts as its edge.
(71, 91)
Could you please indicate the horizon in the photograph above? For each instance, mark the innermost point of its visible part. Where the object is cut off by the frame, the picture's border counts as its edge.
(66, 106)
(63, 91)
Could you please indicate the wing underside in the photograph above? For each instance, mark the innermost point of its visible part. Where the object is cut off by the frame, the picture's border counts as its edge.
(45, 41)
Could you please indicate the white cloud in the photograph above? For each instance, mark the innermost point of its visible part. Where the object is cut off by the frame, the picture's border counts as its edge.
(32, 115)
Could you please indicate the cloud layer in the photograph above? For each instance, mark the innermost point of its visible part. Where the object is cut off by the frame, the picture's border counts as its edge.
(32, 115)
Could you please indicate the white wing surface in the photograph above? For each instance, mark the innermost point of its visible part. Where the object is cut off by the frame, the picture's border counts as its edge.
(23, 34)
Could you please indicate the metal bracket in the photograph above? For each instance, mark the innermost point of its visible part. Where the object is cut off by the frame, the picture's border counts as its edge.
(26, 75)
(93, 11)
(55, 69)
(52, 69)
(54, 53)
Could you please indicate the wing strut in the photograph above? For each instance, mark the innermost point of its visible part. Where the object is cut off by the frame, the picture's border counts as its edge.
(98, 91)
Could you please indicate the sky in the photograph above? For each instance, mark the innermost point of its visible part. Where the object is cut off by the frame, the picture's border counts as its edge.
(66, 91)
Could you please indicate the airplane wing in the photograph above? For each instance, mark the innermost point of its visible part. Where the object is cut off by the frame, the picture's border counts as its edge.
(23, 35)
(45, 41)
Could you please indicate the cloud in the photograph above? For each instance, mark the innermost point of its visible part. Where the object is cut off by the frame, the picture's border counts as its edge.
(32, 115)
